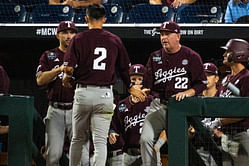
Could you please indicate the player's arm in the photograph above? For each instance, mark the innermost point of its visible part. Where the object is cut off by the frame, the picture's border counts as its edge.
(46, 77)
(161, 140)
(115, 124)
(54, 2)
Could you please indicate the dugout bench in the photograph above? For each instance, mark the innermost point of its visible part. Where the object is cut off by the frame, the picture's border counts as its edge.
(197, 107)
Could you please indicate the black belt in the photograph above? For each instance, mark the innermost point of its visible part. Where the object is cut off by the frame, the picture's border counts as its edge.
(60, 105)
(133, 151)
(93, 86)
(115, 153)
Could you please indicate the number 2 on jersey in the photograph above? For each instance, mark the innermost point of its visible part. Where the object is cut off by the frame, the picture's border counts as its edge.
(97, 64)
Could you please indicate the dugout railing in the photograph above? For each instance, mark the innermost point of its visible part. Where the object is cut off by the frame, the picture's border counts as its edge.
(179, 112)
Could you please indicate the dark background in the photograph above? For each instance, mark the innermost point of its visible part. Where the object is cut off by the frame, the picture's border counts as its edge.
(20, 57)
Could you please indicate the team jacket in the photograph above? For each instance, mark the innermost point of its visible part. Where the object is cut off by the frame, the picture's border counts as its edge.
(168, 74)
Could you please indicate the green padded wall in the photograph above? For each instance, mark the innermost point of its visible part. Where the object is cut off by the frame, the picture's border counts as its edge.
(19, 110)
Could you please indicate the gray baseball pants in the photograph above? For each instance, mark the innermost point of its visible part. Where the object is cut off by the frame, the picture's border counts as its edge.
(57, 122)
(243, 154)
(92, 105)
(154, 124)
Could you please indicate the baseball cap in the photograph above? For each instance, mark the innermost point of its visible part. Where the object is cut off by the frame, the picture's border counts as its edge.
(137, 69)
(65, 25)
(169, 26)
(210, 68)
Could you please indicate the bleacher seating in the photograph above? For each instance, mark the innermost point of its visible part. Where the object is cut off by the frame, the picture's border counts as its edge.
(200, 14)
(45, 13)
(114, 14)
(12, 13)
(127, 4)
(146, 13)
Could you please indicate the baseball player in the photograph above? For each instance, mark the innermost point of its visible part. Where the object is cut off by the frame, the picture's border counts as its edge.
(173, 71)
(235, 84)
(4, 83)
(92, 57)
(59, 115)
(201, 144)
(130, 117)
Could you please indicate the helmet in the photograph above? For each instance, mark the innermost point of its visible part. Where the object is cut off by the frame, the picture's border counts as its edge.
(239, 49)
(137, 69)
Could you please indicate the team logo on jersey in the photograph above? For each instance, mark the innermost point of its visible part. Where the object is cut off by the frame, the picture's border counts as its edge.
(168, 75)
(134, 120)
(157, 58)
(51, 56)
(184, 62)
(122, 108)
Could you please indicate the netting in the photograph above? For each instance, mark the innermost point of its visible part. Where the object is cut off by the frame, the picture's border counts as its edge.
(129, 11)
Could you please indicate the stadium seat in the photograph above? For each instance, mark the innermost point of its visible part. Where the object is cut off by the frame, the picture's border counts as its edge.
(200, 14)
(114, 14)
(79, 15)
(45, 13)
(128, 4)
(146, 13)
(12, 13)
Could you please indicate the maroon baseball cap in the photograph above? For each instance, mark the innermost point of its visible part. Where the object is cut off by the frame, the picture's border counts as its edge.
(210, 68)
(169, 26)
(137, 69)
(65, 25)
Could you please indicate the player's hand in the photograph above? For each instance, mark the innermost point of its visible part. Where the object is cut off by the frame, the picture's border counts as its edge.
(66, 81)
(181, 95)
(113, 138)
(62, 68)
(136, 91)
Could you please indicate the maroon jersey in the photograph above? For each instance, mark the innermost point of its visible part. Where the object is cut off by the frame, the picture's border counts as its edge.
(120, 141)
(241, 81)
(168, 74)
(49, 60)
(4, 81)
(95, 53)
(130, 119)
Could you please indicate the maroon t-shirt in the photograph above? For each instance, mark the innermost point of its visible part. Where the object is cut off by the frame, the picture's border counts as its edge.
(241, 81)
(130, 119)
(168, 74)
(95, 53)
(4, 81)
(49, 60)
